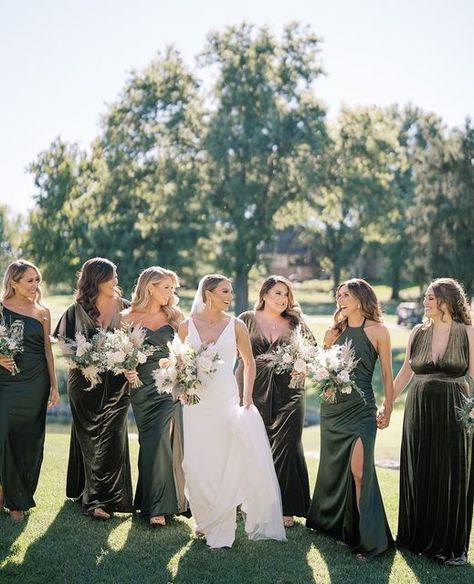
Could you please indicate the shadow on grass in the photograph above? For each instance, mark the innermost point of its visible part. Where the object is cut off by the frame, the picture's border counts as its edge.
(76, 548)
(428, 571)
(344, 568)
(252, 562)
(10, 531)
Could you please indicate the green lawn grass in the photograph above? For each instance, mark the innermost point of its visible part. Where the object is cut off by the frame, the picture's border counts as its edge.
(56, 544)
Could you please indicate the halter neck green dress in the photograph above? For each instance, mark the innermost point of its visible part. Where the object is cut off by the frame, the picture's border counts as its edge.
(437, 457)
(333, 509)
(23, 403)
(160, 487)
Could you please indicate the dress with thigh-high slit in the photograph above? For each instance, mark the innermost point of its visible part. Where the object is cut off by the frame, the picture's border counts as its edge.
(227, 456)
(333, 509)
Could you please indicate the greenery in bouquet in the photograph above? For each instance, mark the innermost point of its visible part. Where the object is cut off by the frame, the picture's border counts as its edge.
(11, 340)
(181, 373)
(332, 371)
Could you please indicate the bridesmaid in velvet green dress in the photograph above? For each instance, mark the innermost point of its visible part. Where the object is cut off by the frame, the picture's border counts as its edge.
(347, 503)
(99, 465)
(437, 458)
(24, 396)
(275, 318)
(160, 488)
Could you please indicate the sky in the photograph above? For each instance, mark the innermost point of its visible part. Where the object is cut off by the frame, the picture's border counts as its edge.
(64, 61)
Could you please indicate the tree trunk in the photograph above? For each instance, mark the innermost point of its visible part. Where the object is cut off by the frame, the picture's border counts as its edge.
(241, 289)
(395, 282)
(336, 274)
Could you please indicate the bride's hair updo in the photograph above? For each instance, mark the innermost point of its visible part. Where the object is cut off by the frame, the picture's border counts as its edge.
(450, 291)
(141, 295)
(14, 273)
(210, 283)
(293, 311)
(93, 273)
(365, 295)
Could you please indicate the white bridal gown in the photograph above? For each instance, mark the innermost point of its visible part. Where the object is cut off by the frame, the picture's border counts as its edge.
(227, 457)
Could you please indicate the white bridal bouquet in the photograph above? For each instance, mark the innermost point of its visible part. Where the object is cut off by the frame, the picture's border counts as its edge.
(331, 371)
(466, 413)
(293, 357)
(180, 374)
(87, 355)
(124, 349)
(11, 340)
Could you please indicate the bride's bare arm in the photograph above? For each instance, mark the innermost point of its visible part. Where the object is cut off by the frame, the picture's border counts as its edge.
(183, 330)
(245, 350)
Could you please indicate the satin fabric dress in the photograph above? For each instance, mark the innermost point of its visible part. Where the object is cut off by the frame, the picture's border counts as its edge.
(282, 409)
(436, 462)
(160, 487)
(98, 471)
(23, 404)
(227, 457)
(333, 507)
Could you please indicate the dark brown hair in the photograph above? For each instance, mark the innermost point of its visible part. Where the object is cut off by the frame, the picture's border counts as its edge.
(93, 272)
(369, 304)
(451, 292)
(293, 311)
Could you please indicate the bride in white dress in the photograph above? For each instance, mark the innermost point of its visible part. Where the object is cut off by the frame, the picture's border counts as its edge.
(227, 457)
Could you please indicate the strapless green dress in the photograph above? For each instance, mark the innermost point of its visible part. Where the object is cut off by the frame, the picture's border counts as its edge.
(160, 487)
(23, 403)
(333, 508)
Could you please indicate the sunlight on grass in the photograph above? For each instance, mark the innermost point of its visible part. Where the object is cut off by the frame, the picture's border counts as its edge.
(118, 536)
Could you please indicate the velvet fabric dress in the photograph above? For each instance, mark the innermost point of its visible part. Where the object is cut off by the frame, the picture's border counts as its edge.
(436, 462)
(282, 409)
(333, 508)
(160, 487)
(98, 471)
(23, 404)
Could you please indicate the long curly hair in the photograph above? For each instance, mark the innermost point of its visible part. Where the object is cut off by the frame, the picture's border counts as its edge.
(293, 311)
(93, 273)
(141, 294)
(450, 291)
(365, 295)
(14, 273)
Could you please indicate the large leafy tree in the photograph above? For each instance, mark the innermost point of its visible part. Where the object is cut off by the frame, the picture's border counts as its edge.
(265, 128)
(57, 227)
(443, 214)
(149, 172)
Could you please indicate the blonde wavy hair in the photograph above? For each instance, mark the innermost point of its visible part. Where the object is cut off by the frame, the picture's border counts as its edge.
(141, 295)
(14, 273)
(369, 304)
(293, 311)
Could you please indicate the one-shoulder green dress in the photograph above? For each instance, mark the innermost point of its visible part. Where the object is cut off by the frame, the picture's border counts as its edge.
(333, 508)
(437, 456)
(23, 403)
(160, 487)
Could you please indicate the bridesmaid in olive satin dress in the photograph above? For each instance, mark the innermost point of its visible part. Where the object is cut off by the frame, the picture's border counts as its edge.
(24, 396)
(160, 488)
(437, 455)
(347, 503)
(99, 465)
(275, 318)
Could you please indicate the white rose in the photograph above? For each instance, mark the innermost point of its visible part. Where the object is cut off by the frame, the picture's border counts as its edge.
(321, 374)
(117, 357)
(204, 363)
(82, 348)
(343, 376)
(287, 358)
(346, 389)
(300, 366)
(141, 357)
